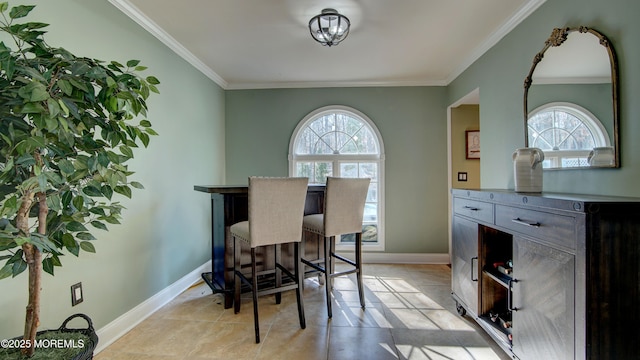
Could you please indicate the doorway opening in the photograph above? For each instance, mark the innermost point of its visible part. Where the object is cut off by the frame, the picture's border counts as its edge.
(464, 142)
(463, 127)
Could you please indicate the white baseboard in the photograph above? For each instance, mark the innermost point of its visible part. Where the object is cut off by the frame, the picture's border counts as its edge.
(397, 258)
(127, 321)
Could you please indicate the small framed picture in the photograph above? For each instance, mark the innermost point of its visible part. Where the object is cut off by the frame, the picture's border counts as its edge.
(473, 144)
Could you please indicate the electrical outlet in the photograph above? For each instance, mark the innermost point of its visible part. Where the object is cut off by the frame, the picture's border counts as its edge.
(76, 294)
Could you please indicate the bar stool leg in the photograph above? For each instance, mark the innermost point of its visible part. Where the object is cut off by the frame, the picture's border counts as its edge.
(328, 280)
(278, 272)
(254, 290)
(237, 253)
(332, 263)
(359, 268)
(322, 277)
(299, 273)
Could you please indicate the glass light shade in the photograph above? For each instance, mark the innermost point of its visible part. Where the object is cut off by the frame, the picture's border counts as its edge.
(329, 28)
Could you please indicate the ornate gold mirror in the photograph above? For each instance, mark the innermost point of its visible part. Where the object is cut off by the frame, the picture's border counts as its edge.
(571, 101)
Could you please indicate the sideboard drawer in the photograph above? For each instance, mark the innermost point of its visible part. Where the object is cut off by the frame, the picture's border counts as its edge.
(551, 228)
(478, 210)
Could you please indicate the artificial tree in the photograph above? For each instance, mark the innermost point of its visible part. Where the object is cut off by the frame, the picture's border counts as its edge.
(68, 126)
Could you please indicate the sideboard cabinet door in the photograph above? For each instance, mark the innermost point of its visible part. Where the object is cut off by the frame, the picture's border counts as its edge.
(464, 264)
(543, 301)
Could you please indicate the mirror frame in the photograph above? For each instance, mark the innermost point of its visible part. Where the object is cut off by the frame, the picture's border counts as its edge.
(557, 38)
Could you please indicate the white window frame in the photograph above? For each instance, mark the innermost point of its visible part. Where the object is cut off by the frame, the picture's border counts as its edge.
(553, 158)
(336, 159)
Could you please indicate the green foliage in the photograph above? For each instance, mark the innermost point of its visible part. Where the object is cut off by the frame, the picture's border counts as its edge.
(67, 131)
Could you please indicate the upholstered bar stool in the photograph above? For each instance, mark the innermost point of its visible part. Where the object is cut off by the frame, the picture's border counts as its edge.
(276, 208)
(343, 209)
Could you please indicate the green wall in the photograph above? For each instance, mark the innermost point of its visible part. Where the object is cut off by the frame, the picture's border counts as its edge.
(165, 231)
(500, 74)
(412, 124)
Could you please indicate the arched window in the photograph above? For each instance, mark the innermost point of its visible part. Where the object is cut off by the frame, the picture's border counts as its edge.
(566, 133)
(343, 142)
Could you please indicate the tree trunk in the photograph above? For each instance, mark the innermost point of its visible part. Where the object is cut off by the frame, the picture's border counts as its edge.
(33, 258)
(32, 320)
(22, 223)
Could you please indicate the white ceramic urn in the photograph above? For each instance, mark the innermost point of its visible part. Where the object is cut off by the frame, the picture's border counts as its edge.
(527, 169)
(601, 156)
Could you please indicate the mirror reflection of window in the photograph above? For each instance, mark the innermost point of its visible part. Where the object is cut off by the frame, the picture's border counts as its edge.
(567, 133)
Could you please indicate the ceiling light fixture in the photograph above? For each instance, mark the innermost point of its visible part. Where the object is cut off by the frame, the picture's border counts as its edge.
(329, 28)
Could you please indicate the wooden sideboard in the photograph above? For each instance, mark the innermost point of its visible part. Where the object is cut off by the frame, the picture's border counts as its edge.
(229, 205)
(549, 276)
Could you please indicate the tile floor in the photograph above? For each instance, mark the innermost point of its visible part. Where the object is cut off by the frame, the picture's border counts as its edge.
(409, 315)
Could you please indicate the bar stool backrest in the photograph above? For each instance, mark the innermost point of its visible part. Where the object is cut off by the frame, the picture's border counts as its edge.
(276, 209)
(344, 205)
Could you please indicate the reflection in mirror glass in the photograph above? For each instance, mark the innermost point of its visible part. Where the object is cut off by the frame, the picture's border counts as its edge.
(567, 133)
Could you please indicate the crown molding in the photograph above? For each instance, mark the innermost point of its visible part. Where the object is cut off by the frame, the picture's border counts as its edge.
(527, 9)
(154, 29)
(328, 84)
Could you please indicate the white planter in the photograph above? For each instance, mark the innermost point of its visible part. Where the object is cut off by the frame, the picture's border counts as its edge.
(601, 156)
(527, 169)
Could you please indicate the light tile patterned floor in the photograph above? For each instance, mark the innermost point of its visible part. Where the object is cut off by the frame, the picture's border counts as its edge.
(409, 315)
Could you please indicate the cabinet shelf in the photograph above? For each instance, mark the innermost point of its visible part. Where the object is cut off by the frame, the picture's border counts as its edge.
(502, 279)
(503, 334)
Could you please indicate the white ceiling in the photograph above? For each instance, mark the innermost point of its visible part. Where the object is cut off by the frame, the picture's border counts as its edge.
(251, 44)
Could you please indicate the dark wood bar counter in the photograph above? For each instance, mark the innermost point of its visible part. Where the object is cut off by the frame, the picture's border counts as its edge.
(229, 205)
